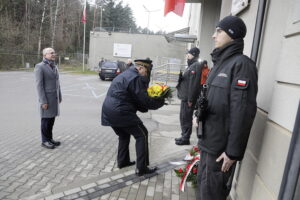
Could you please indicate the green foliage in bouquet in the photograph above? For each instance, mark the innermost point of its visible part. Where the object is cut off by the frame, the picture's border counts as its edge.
(167, 93)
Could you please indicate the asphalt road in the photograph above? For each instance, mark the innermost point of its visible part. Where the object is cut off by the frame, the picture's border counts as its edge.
(88, 149)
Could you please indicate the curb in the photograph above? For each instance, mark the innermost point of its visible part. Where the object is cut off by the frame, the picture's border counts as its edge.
(114, 181)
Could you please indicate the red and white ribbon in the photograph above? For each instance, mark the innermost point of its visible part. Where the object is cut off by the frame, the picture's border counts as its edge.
(183, 180)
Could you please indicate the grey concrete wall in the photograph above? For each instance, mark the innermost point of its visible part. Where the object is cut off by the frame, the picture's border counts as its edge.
(225, 8)
(210, 10)
(261, 171)
(259, 175)
(195, 19)
(269, 61)
(249, 16)
(101, 45)
(245, 173)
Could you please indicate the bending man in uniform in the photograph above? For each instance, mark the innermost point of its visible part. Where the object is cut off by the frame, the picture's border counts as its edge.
(231, 96)
(127, 95)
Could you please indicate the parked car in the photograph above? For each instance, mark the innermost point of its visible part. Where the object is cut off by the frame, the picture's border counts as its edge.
(111, 69)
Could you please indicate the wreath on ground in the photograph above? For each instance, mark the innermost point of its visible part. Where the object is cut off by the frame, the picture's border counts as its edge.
(188, 173)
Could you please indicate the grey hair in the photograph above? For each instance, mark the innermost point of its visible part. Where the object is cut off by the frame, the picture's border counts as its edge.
(46, 50)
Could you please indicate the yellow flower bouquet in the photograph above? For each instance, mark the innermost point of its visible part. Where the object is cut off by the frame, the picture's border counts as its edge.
(159, 91)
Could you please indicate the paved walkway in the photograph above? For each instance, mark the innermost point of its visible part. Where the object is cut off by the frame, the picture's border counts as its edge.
(84, 166)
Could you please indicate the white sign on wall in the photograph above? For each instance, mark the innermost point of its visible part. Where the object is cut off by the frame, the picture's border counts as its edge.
(238, 5)
(122, 50)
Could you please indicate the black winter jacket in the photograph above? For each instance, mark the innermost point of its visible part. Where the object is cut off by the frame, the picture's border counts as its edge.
(231, 98)
(188, 87)
(127, 95)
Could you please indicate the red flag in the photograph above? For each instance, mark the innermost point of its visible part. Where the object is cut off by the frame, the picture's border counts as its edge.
(83, 19)
(169, 6)
(177, 6)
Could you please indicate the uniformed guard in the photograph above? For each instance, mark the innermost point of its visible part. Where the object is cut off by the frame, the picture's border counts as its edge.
(188, 89)
(127, 95)
(230, 111)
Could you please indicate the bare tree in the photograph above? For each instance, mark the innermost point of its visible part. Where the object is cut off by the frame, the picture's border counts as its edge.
(30, 25)
(54, 24)
(95, 12)
(41, 28)
(51, 14)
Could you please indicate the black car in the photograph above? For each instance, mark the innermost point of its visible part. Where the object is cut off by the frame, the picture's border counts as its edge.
(111, 69)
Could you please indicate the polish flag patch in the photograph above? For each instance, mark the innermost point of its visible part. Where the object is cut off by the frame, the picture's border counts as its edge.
(241, 83)
(193, 72)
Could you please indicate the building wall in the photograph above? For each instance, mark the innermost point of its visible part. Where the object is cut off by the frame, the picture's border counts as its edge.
(248, 15)
(152, 46)
(194, 24)
(259, 175)
(210, 17)
(195, 18)
(203, 20)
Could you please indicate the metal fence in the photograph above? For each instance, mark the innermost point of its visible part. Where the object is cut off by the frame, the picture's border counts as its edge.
(166, 71)
(9, 60)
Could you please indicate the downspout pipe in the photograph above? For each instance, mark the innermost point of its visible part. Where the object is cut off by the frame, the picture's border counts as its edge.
(290, 177)
(258, 29)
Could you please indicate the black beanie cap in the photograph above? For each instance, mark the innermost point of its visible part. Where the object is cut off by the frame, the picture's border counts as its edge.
(233, 26)
(194, 51)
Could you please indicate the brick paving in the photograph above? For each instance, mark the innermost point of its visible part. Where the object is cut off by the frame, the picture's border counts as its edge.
(86, 160)
(119, 183)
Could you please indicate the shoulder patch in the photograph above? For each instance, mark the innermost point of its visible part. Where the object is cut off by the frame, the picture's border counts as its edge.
(241, 82)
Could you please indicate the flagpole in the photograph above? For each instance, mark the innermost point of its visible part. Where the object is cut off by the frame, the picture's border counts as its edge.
(83, 51)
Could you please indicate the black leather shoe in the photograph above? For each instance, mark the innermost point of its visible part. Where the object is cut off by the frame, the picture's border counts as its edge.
(55, 143)
(127, 165)
(177, 139)
(48, 145)
(148, 170)
(182, 142)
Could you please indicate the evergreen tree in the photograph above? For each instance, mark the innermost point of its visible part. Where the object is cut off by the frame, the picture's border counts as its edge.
(118, 17)
(23, 28)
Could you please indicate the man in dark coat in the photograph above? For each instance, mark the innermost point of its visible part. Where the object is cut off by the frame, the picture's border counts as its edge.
(188, 89)
(127, 95)
(129, 64)
(48, 88)
(232, 89)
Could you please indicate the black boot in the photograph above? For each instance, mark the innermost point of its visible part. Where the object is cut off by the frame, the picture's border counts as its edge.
(54, 142)
(177, 139)
(182, 142)
(127, 164)
(48, 145)
(147, 170)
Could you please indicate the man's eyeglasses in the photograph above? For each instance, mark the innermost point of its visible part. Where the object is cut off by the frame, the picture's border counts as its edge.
(52, 53)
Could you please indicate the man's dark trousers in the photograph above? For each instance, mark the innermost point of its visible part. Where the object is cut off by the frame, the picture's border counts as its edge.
(186, 120)
(213, 184)
(46, 128)
(140, 134)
